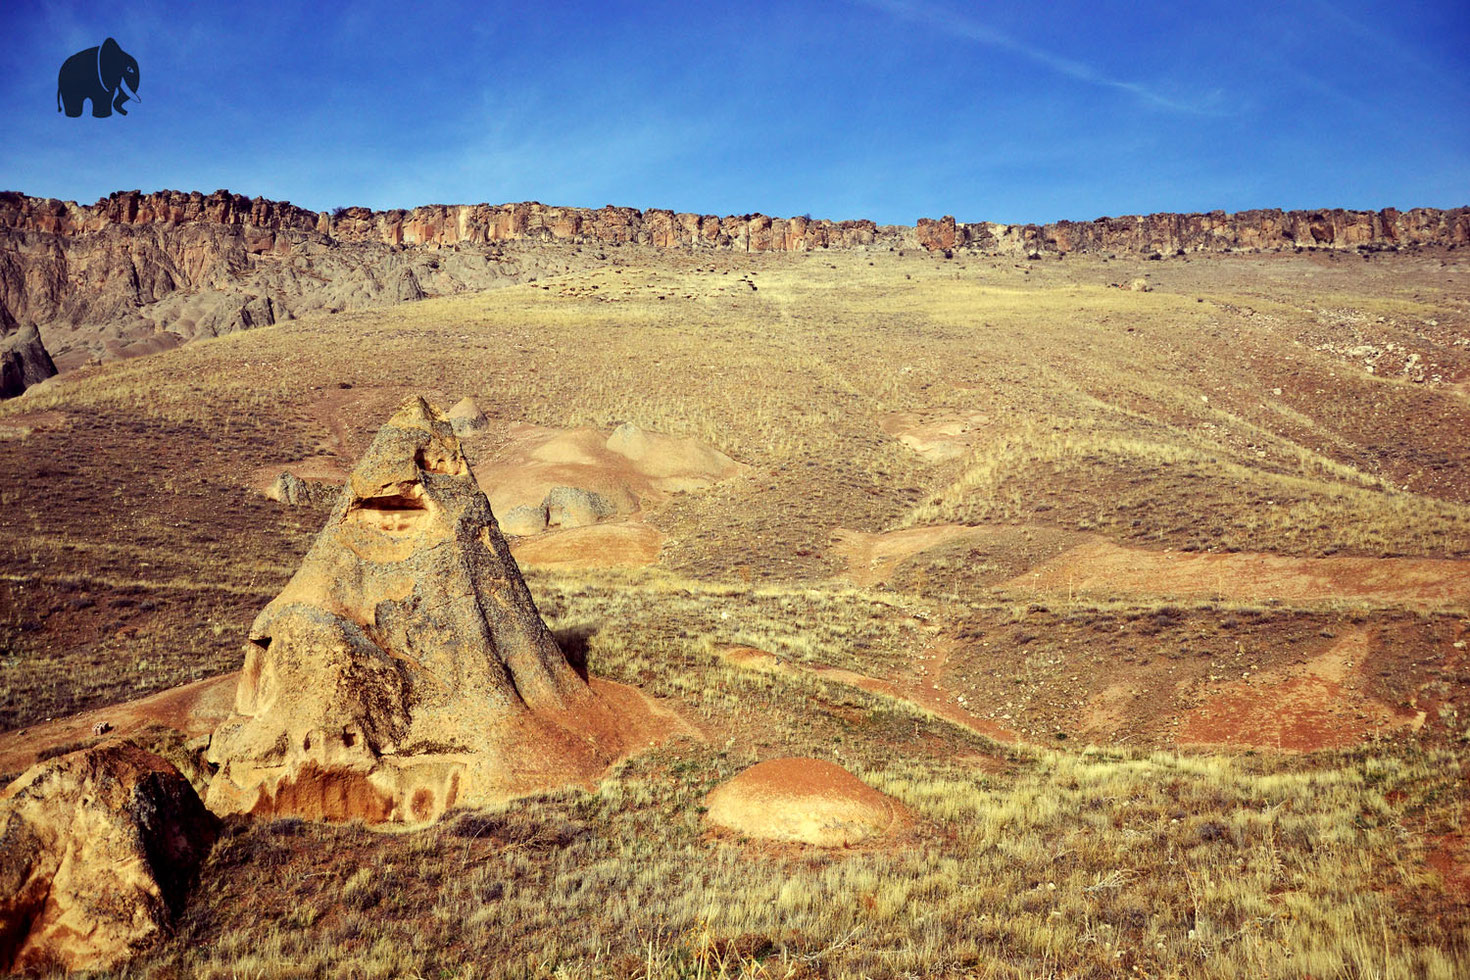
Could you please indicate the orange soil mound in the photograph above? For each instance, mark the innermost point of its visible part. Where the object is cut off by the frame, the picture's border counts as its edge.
(193, 709)
(810, 801)
(1100, 567)
(1316, 705)
(628, 544)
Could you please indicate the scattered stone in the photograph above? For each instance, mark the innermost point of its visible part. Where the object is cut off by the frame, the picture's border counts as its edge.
(100, 848)
(811, 801)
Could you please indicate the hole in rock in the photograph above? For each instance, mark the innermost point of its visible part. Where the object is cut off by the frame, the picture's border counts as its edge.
(433, 460)
(261, 642)
(574, 642)
(392, 512)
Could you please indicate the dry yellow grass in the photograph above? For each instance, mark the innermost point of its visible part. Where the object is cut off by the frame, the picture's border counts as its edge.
(1209, 413)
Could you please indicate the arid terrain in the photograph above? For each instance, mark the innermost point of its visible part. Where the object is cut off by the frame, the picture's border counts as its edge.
(1141, 582)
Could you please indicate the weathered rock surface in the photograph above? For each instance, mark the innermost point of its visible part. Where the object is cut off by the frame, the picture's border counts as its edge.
(524, 520)
(810, 801)
(405, 669)
(23, 361)
(1216, 231)
(97, 852)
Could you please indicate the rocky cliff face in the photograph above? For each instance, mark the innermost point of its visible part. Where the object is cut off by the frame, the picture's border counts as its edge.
(1217, 231)
(137, 273)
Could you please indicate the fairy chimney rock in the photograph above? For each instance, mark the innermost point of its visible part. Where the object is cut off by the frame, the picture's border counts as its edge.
(404, 669)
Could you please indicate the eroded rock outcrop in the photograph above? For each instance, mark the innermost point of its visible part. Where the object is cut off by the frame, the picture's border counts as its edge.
(467, 419)
(405, 669)
(98, 850)
(23, 360)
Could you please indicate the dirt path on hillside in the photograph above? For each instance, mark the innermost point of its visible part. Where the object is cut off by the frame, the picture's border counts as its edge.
(1101, 568)
(874, 557)
(921, 692)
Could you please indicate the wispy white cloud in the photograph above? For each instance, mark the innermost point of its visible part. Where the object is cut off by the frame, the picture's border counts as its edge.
(967, 28)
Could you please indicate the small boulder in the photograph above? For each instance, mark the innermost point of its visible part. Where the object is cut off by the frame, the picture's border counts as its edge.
(98, 850)
(573, 507)
(23, 360)
(289, 488)
(810, 801)
(524, 520)
(466, 419)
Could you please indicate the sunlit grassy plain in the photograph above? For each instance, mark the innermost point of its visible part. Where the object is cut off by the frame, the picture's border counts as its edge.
(1201, 415)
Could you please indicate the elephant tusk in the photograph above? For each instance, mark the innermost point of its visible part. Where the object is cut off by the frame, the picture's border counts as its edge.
(132, 93)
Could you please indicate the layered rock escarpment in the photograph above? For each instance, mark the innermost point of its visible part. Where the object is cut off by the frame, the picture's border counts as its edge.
(1215, 231)
(405, 669)
(136, 273)
(278, 226)
(97, 852)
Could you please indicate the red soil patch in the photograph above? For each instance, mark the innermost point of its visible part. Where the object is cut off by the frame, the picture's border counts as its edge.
(630, 466)
(1102, 568)
(625, 544)
(1316, 705)
(192, 709)
(1450, 856)
(18, 425)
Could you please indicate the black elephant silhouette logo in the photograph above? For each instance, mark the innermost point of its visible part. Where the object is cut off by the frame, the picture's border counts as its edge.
(106, 74)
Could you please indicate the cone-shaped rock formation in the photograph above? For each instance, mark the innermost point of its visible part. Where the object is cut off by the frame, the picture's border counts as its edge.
(405, 668)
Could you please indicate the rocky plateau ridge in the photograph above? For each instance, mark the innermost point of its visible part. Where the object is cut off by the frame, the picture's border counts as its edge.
(137, 273)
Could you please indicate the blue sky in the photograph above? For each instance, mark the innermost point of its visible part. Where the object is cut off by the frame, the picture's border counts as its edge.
(887, 109)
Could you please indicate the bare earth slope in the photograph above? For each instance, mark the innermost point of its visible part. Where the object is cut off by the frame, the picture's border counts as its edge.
(1081, 575)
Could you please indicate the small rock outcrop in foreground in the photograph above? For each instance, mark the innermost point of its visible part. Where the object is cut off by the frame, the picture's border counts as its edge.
(97, 852)
(809, 801)
(405, 669)
(23, 360)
